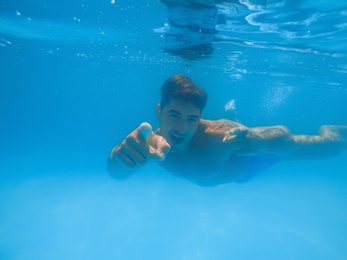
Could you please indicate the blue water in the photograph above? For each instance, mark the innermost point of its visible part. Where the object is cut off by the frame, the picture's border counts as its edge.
(78, 76)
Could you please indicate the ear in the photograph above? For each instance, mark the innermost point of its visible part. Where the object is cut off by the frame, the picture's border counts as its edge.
(158, 111)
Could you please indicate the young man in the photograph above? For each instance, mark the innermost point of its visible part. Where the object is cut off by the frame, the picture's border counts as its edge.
(212, 152)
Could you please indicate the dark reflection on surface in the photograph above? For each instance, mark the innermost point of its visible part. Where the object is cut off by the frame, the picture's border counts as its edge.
(193, 26)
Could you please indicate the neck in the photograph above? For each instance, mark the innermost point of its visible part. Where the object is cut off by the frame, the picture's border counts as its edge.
(182, 149)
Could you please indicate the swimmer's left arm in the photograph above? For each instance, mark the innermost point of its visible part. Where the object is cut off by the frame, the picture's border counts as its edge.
(278, 140)
(259, 140)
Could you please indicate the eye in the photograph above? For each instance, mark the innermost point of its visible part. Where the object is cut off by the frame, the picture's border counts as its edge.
(173, 116)
(192, 120)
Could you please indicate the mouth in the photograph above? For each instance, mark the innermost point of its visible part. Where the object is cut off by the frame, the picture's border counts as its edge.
(176, 139)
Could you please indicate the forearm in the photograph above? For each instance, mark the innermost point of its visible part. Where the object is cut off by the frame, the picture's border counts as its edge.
(274, 140)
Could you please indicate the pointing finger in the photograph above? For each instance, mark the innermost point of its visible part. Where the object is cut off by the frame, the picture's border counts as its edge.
(145, 130)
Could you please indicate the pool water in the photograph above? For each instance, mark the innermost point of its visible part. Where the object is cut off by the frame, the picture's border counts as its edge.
(77, 77)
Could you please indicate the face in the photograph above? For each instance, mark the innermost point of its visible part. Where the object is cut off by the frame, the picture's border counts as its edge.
(178, 122)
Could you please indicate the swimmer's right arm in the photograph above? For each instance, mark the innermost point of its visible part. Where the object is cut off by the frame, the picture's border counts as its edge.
(139, 147)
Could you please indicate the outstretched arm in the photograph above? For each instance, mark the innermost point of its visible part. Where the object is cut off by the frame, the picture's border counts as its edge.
(279, 141)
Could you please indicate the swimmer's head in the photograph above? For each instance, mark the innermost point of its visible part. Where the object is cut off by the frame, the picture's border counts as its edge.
(180, 110)
(183, 89)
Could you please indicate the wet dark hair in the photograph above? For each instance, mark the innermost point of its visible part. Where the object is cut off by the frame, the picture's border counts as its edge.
(182, 88)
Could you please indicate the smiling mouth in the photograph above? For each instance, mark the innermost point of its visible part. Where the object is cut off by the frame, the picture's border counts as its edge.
(175, 139)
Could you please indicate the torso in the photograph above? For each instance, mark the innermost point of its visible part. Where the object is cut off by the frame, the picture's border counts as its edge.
(208, 160)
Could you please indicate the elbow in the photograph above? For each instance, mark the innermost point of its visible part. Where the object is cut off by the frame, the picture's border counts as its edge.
(283, 131)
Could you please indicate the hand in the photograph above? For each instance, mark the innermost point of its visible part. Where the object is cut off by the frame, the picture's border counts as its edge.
(141, 146)
(238, 139)
(235, 134)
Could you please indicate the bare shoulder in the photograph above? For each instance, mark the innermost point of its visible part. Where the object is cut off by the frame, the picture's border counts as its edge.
(219, 125)
(213, 131)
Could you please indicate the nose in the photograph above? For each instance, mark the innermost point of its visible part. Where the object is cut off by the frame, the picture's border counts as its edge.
(181, 127)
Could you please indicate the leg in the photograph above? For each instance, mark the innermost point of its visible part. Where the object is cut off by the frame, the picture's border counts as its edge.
(331, 140)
